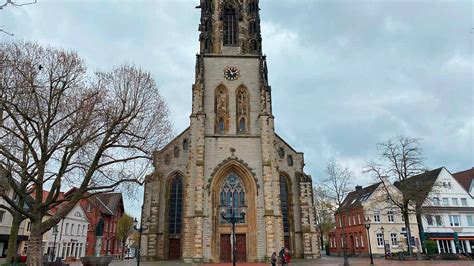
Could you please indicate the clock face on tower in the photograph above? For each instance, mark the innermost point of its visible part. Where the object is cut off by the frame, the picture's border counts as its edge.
(231, 73)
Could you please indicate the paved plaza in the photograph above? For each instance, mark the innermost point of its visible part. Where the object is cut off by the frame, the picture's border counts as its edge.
(324, 261)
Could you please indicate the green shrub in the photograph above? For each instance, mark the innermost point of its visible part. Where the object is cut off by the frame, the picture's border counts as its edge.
(431, 247)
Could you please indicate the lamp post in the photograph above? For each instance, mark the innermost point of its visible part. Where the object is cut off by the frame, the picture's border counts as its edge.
(55, 234)
(140, 230)
(367, 226)
(383, 241)
(232, 219)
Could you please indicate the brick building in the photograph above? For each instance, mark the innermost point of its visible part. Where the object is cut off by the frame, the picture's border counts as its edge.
(110, 208)
(230, 155)
(387, 227)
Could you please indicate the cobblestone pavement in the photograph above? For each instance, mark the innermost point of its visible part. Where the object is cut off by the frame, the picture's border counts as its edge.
(324, 261)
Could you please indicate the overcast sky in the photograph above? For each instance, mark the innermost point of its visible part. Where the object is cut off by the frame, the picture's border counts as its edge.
(345, 75)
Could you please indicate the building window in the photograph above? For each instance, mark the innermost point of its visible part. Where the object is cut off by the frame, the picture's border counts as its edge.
(464, 202)
(376, 216)
(28, 227)
(185, 144)
(284, 204)
(358, 217)
(356, 241)
(350, 223)
(232, 194)
(67, 229)
(290, 160)
(391, 217)
(361, 240)
(445, 201)
(429, 219)
(455, 201)
(469, 220)
(72, 228)
(436, 201)
(439, 220)
(379, 239)
(454, 220)
(230, 26)
(281, 153)
(176, 152)
(88, 209)
(176, 206)
(394, 239)
(242, 126)
(354, 220)
(78, 229)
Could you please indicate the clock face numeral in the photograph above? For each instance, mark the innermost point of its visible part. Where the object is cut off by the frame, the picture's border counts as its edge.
(231, 73)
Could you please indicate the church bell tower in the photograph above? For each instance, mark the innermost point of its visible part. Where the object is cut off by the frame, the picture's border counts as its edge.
(229, 156)
(230, 27)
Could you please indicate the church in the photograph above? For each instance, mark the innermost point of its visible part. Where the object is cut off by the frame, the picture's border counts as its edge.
(230, 160)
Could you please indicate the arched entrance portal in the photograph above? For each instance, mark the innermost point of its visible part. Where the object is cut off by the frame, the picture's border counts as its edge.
(233, 185)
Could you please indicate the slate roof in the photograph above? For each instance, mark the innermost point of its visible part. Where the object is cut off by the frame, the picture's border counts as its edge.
(355, 198)
(465, 178)
(112, 202)
(419, 186)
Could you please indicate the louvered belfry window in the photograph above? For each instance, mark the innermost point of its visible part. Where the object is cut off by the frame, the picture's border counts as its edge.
(230, 26)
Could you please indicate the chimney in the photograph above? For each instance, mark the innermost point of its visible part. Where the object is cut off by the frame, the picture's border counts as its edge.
(358, 188)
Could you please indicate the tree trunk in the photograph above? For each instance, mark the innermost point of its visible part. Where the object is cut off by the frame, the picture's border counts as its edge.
(123, 249)
(321, 240)
(35, 245)
(13, 237)
(407, 226)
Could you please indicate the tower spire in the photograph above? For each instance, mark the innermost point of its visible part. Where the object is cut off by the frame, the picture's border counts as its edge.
(230, 27)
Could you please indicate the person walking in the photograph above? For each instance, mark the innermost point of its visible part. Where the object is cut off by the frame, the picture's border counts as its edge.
(274, 259)
(287, 256)
(281, 255)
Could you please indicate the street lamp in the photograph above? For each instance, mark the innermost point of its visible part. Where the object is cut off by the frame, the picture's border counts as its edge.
(140, 230)
(367, 226)
(383, 241)
(232, 219)
(55, 234)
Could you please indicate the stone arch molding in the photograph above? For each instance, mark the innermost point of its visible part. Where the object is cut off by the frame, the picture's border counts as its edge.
(229, 164)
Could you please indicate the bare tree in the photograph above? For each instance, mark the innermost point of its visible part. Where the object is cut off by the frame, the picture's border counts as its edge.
(324, 209)
(337, 185)
(400, 158)
(61, 128)
(15, 4)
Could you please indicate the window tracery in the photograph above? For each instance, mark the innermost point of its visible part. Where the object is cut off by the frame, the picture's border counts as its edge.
(284, 204)
(231, 25)
(232, 194)
(175, 206)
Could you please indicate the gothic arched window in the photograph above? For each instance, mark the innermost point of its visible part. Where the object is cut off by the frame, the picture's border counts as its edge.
(175, 205)
(284, 204)
(242, 125)
(290, 160)
(231, 25)
(232, 194)
(185, 144)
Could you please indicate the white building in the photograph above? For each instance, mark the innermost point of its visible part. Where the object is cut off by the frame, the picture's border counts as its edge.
(71, 237)
(447, 212)
(6, 220)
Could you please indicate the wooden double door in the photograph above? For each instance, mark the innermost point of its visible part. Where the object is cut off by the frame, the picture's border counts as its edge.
(226, 248)
(174, 252)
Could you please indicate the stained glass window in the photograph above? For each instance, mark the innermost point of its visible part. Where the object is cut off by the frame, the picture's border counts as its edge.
(176, 205)
(232, 194)
(284, 204)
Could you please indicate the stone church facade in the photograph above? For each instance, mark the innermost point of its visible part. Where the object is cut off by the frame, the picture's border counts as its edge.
(230, 155)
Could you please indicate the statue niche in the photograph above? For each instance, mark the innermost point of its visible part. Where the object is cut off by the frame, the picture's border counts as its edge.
(243, 110)
(221, 109)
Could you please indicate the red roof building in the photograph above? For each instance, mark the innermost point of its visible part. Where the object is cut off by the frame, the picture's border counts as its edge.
(466, 179)
(110, 208)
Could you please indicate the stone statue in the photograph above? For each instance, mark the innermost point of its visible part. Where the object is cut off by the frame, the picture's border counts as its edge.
(222, 102)
(242, 103)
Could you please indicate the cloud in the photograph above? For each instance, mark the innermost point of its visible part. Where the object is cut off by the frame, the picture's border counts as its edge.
(345, 75)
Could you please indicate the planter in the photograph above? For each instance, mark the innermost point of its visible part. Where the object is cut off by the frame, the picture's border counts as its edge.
(97, 261)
